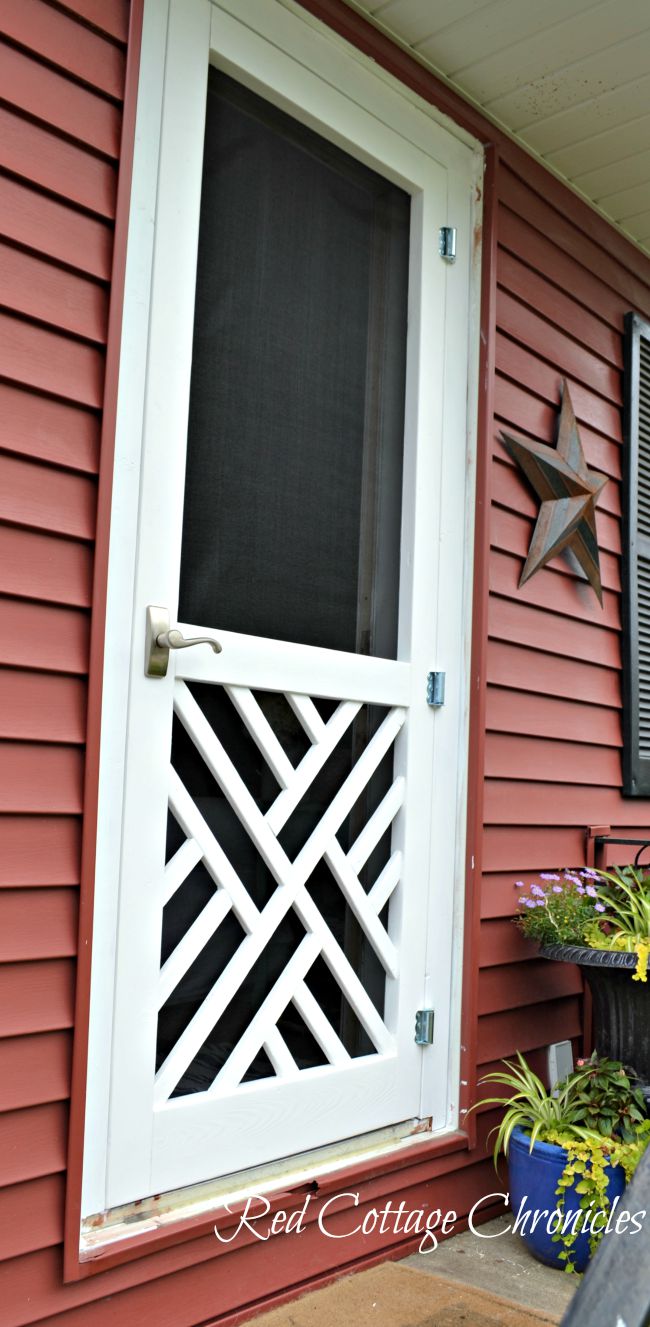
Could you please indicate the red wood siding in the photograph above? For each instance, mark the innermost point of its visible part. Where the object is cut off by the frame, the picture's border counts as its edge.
(550, 748)
(62, 75)
(553, 714)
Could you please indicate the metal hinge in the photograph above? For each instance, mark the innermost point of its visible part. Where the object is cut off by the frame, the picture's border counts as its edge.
(436, 689)
(424, 1027)
(447, 243)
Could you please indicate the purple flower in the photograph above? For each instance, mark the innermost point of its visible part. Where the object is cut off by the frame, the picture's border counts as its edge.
(535, 889)
(591, 891)
(580, 889)
(599, 907)
(540, 903)
(575, 879)
(557, 889)
(529, 902)
(548, 875)
(592, 875)
(519, 884)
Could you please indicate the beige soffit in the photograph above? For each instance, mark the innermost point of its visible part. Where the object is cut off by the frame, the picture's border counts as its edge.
(568, 79)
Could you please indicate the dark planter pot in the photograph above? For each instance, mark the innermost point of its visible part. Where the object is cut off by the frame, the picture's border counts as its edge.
(621, 1006)
(533, 1181)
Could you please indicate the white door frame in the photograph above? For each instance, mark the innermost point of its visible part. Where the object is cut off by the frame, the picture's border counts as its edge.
(280, 52)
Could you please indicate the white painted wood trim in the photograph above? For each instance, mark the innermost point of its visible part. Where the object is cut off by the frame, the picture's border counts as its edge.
(119, 603)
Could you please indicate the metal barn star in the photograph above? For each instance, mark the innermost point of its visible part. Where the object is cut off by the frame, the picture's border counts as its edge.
(569, 493)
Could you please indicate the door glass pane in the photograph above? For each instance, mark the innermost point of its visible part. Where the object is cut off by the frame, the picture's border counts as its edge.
(294, 469)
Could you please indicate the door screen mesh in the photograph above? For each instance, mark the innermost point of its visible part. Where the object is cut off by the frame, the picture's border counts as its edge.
(294, 469)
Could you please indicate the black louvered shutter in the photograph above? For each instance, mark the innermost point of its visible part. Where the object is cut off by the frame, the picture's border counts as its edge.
(636, 559)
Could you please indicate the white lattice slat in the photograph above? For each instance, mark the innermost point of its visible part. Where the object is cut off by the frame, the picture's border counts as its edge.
(230, 782)
(222, 872)
(280, 1056)
(189, 947)
(386, 882)
(321, 1028)
(224, 990)
(311, 765)
(262, 733)
(267, 1016)
(191, 820)
(379, 821)
(365, 915)
(229, 981)
(187, 813)
(350, 790)
(344, 973)
(246, 808)
(178, 868)
(305, 710)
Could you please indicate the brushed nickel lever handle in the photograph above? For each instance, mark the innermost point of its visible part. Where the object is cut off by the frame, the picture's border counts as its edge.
(175, 640)
(160, 638)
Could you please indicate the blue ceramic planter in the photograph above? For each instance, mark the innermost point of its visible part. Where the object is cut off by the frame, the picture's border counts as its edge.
(533, 1181)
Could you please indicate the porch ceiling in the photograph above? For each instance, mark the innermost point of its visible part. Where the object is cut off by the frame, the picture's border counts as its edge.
(569, 79)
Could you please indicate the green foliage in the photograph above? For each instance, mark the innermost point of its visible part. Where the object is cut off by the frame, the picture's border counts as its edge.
(626, 895)
(625, 922)
(605, 1100)
(596, 1114)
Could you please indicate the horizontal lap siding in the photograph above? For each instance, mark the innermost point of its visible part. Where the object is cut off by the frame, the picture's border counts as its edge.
(553, 710)
(62, 73)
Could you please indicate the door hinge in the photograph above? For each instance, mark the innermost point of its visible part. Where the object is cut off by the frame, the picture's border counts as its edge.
(424, 1027)
(436, 689)
(447, 243)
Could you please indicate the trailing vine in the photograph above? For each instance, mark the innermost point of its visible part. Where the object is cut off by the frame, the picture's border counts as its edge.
(588, 1159)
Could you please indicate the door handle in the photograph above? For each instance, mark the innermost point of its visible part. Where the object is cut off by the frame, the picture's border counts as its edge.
(160, 638)
(175, 640)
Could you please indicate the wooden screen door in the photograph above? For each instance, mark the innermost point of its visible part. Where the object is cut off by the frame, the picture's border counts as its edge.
(285, 907)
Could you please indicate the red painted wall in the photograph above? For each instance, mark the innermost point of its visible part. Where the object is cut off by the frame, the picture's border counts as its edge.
(62, 72)
(549, 748)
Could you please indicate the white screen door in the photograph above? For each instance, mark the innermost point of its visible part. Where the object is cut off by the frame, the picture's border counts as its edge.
(289, 806)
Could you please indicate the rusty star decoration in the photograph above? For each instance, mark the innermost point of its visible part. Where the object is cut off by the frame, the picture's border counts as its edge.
(569, 493)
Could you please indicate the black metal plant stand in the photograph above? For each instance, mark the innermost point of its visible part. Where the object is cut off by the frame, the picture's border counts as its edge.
(601, 841)
(620, 1006)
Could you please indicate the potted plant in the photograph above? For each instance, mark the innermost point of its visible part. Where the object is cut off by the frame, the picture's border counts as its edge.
(600, 920)
(570, 1154)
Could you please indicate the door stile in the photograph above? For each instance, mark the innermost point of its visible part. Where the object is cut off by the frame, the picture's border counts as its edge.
(161, 484)
(418, 607)
(453, 596)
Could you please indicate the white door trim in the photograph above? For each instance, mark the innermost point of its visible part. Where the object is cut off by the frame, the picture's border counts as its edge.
(280, 52)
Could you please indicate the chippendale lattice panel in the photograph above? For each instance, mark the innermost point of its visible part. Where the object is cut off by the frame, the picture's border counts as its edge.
(276, 952)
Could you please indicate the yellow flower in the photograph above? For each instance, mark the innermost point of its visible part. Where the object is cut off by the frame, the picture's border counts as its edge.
(641, 949)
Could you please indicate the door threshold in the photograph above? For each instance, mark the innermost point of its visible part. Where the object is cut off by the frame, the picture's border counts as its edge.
(191, 1203)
